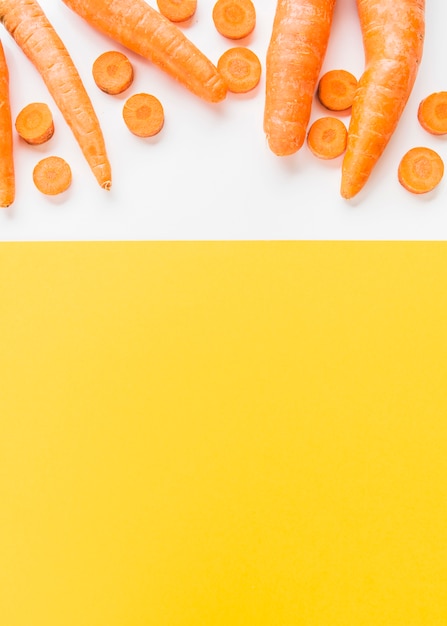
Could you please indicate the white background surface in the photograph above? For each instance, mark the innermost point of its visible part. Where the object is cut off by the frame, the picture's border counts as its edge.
(209, 174)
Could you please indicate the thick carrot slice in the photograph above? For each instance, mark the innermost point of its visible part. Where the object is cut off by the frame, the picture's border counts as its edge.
(432, 113)
(142, 29)
(420, 170)
(7, 176)
(298, 43)
(34, 123)
(241, 69)
(336, 89)
(393, 36)
(29, 26)
(143, 114)
(234, 19)
(112, 72)
(327, 137)
(177, 10)
(52, 175)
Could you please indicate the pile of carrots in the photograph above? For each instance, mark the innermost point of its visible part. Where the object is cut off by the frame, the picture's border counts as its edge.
(393, 36)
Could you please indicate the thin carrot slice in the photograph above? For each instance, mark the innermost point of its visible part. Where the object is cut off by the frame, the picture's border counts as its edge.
(52, 175)
(7, 176)
(34, 123)
(432, 113)
(112, 72)
(241, 69)
(327, 137)
(234, 19)
(420, 170)
(177, 10)
(143, 114)
(336, 89)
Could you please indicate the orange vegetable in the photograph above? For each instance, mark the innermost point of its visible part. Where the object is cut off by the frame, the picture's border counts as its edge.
(241, 69)
(234, 19)
(393, 35)
(420, 170)
(432, 113)
(143, 114)
(7, 176)
(34, 123)
(142, 29)
(29, 26)
(295, 54)
(336, 89)
(327, 137)
(112, 72)
(52, 175)
(177, 10)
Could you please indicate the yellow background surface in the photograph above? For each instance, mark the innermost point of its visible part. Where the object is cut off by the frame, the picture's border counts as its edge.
(216, 434)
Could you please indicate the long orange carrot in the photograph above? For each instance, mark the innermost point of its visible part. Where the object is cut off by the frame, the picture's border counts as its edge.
(295, 54)
(31, 29)
(7, 178)
(140, 28)
(393, 34)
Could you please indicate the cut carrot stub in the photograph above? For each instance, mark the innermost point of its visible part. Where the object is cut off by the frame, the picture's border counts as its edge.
(177, 10)
(234, 19)
(432, 113)
(420, 170)
(336, 90)
(112, 72)
(240, 68)
(35, 123)
(327, 137)
(143, 115)
(52, 175)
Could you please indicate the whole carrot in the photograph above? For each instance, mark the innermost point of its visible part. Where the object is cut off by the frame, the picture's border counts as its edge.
(7, 178)
(140, 28)
(295, 54)
(29, 26)
(393, 36)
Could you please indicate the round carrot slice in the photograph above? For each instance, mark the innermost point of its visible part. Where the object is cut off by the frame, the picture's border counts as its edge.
(432, 113)
(234, 19)
(177, 10)
(327, 137)
(143, 114)
(240, 68)
(420, 170)
(112, 72)
(336, 90)
(35, 124)
(52, 175)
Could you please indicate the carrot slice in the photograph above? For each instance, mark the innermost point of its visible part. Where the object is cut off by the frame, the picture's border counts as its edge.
(432, 113)
(112, 72)
(234, 19)
(420, 170)
(143, 114)
(7, 175)
(241, 69)
(336, 89)
(52, 175)
(327, 137)
(34, 123)
(177, 10)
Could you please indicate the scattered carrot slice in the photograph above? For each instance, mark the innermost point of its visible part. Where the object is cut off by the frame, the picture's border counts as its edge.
(234, 19)
(420, 170)
(336, 89)
(112, 72)
(240, 68)
(143, 114)
(177, 10)
(52, 175)
(432, 113)
(327, 137)
(34, 123)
